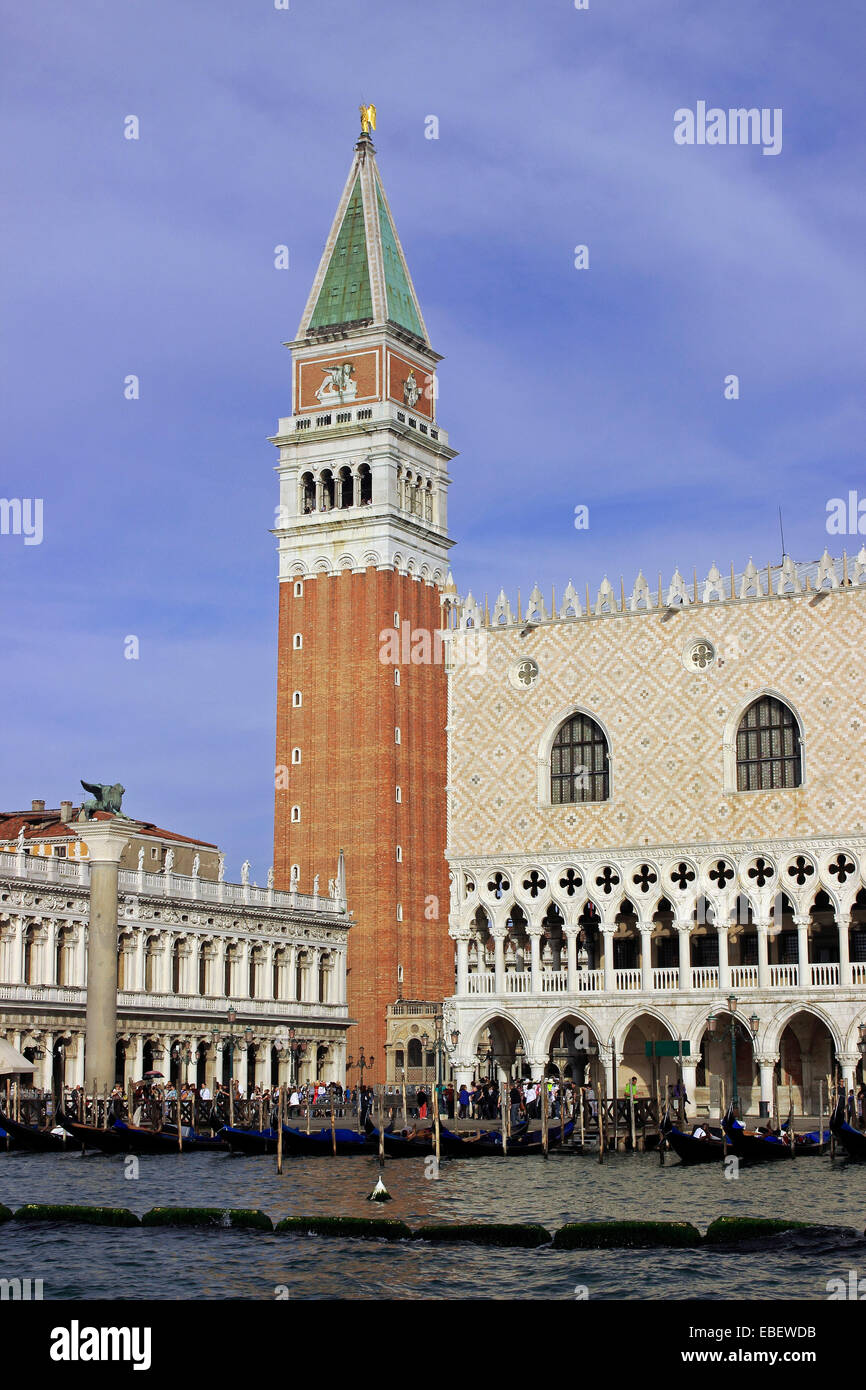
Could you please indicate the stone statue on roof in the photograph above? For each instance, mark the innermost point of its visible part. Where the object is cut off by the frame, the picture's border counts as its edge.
(105, 797)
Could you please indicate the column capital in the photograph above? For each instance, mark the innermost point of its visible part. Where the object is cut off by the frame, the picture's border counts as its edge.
(766, 1059)
(107, 839)
(848, 1059)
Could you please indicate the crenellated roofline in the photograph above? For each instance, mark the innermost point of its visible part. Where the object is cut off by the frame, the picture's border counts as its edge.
(818, 577)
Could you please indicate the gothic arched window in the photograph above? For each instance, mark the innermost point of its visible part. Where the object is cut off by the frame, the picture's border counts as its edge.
(579, 762)
(768, 747)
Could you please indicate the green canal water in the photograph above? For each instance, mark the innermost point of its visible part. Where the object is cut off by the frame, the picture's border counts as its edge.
(96, 1262)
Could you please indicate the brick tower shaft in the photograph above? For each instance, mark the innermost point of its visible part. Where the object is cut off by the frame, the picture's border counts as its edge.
(361, 759)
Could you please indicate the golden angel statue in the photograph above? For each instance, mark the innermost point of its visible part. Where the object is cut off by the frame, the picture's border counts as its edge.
(368, 118)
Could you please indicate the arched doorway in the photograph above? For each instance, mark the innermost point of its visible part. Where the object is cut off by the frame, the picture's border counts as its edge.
(807, 1057)
(656, 1068)
(727, 1069)
(573, 1052)
(500, 1051)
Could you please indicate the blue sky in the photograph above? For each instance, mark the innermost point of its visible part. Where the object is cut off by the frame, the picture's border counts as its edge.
(560, 387)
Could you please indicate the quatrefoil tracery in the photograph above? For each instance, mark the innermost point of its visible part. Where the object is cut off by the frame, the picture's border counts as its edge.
(682, 875)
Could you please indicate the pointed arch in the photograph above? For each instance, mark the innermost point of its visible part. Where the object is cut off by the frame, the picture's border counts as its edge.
(580, 740)
(771, 710)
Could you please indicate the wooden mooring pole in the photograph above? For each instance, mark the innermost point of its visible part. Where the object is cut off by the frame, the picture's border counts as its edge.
(503, 1114)
(280, 1130)
(333, 1126)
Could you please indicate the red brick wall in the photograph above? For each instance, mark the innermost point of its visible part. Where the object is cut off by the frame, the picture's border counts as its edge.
(345, 784)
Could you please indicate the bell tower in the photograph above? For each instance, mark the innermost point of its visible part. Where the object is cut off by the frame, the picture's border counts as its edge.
(363, 560)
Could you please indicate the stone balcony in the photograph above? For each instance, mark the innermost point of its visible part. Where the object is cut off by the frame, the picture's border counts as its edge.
(47, 870)
(188, 1005)
(740, 979)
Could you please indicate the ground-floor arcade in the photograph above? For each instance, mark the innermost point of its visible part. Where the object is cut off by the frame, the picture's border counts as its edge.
(765, 1051)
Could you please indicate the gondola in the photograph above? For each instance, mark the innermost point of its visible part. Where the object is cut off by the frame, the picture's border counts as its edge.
(347, 1142)
(522, 1143)
(853, 1141)
(36, 1140)
(421, 1143)
(418, 1144)
(690, 1149)
(810, 1144)
(121, 1138)
(755, 1148)
(248, 1141)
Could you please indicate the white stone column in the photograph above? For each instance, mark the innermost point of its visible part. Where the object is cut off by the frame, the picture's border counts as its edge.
(724, 962)
(848, 1062)
(646, 956)
(498, 934)
(763, 955)
(534, 934)
(802, 925)
(266, 985)
(461, 939)
(690, 1069)
(242, 969)
(79, 955)
(47, 1063)
(844, 948)
(137, 962)
(163, 972)
(536, 1067)
(609, 978)
(135, 1059)
(20, 924)
(106, 841)
(75, 1062)
(683, 929)
(571, 935)
(49, 953)
(218, 966)
(767, 1064)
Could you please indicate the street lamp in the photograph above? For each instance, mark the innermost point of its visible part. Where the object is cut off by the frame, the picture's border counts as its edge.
(231, 1040)
(182, 1052)
(296, 1047)
(362, 1064)
(754, 1024)
(486, 1054)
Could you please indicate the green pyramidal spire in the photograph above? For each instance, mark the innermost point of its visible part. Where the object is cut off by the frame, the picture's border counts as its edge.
(363, 278)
